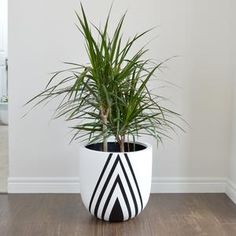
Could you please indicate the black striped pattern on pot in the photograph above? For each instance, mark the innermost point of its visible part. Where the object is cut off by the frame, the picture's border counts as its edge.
(116, 196)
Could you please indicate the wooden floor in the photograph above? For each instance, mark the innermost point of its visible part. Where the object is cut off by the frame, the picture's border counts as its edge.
(166, 214)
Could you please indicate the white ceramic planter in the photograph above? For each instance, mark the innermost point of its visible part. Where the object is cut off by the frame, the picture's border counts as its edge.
(3, 113)
(115, 186)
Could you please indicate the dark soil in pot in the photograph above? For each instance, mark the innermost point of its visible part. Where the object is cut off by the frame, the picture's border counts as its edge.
(114, 147)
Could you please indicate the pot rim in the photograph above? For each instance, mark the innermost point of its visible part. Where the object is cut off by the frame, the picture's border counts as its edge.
(147, 146)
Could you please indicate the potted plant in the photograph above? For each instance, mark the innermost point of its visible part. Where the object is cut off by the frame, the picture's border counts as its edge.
(109, 98)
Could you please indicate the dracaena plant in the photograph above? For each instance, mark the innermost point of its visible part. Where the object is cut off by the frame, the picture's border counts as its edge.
(109, 95)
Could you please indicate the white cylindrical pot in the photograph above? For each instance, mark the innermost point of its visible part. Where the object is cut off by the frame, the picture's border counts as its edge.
(115, 186)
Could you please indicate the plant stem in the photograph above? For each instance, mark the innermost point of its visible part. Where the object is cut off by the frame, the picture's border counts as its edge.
(122, 144)
(104, 139)
(128, 143)
(104, 115)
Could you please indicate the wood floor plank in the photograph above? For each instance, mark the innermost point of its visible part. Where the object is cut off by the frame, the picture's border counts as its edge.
(165, 214)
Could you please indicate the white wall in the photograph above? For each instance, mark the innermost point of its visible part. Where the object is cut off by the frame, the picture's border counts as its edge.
(198, 31)
(3, 47)
(42, 33)
(232, 158)
(3, 26)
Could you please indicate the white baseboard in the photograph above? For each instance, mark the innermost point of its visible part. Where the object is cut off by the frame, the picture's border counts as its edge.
(159, 185)
(231, 190)
(188, 185)
(43, 185)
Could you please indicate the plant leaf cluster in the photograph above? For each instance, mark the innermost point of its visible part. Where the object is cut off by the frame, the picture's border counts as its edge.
(108, 96)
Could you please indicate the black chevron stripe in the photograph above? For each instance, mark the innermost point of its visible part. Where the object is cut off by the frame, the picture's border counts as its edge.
(105, 186)
(117, 181)
(99, 180)
(130, 188)
(136, 183)
(116, 214)
(118, 160)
